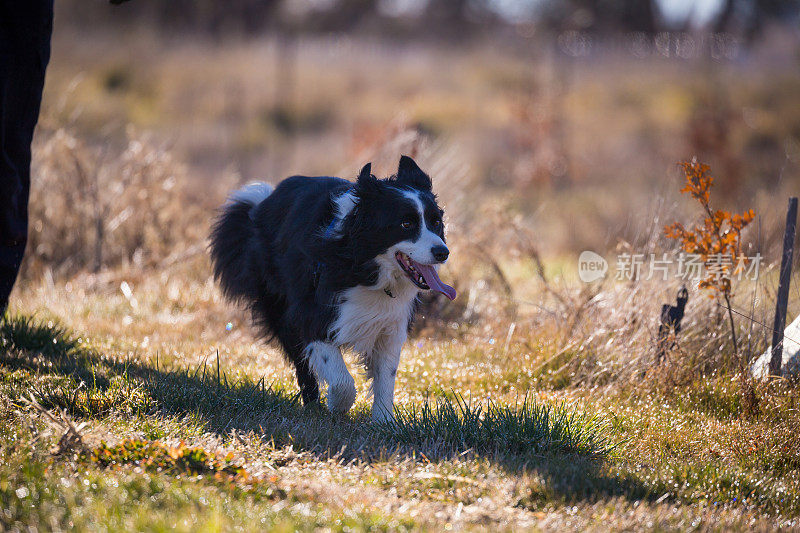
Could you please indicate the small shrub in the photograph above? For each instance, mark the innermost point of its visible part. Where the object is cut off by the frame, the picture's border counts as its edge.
(717, 241)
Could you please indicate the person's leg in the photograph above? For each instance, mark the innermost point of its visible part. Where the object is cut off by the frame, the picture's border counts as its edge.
(25, 29)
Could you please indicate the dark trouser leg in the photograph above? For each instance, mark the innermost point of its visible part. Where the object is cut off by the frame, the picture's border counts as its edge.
(25, 29)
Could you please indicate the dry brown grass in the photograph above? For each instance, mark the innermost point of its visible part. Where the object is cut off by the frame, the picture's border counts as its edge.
(95, 208)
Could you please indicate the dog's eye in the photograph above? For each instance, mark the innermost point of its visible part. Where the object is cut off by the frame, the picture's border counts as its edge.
(437, 224)
(407, 224)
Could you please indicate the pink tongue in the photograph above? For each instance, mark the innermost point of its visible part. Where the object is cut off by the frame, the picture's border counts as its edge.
(433, 281)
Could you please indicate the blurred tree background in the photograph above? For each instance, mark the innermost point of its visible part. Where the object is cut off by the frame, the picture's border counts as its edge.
(539, 108)
(454, 20)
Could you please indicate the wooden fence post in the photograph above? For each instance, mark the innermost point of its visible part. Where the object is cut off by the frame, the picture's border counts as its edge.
(783, 289)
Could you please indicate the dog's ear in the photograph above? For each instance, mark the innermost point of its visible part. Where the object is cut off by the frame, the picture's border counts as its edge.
(366, 172)
(366, 184)
(408, 173)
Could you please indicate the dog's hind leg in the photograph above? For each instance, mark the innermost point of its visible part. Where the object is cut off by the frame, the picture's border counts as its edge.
(309, 388)
(325, 359)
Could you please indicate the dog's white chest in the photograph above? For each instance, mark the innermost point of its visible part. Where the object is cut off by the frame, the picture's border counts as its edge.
(368, 316)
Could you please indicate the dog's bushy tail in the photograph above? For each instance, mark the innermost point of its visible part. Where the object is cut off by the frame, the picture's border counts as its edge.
(231, 242)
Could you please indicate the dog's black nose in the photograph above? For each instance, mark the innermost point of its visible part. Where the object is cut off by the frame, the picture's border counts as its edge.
(440, 253)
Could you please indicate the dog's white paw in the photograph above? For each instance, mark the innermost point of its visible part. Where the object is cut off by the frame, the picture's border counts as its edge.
(341, 397)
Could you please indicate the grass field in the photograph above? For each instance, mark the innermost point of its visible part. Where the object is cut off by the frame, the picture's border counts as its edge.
(108, 431)
(134, 398)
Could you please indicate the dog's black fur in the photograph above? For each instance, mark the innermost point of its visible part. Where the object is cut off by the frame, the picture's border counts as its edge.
(288, 257)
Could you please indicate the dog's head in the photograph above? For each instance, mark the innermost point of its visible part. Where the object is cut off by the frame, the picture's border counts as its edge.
(397, 223)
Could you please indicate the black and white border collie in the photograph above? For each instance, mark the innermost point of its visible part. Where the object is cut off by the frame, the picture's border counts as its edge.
(326, 264)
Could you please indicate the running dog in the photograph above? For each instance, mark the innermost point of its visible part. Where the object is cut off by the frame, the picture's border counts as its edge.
(326, 264)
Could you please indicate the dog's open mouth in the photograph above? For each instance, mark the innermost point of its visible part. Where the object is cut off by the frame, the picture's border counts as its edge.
(424, 276)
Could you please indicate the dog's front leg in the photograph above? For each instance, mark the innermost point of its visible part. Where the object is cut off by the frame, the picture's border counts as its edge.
(327, 363)
(383, 370)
